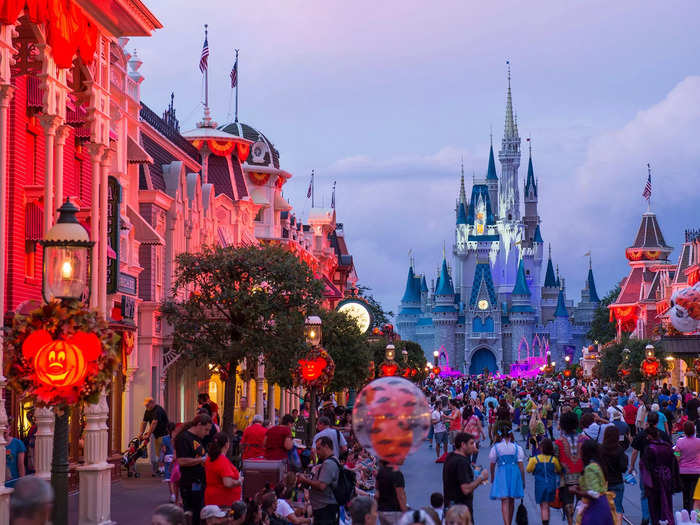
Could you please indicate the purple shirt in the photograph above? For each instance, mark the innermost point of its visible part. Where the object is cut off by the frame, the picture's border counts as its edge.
(689, 460)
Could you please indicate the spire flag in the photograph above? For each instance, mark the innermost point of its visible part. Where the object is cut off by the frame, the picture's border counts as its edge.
(310, 191)
(333, 197)
(647, 188)
(204, 58)
(234, 83)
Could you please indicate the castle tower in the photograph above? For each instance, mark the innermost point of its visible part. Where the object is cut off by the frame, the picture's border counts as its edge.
(583, 314)
(483, 342)
(531, 219)
(509, 156)
(550, 291)
(522, 316)
(410, 307)
(561, 334)
(445, 314)
(492, 181)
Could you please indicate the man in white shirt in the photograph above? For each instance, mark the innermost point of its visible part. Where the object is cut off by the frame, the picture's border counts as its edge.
(438, 420)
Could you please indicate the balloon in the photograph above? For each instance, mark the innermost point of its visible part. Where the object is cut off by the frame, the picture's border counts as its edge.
(685, 309)
(391, 418)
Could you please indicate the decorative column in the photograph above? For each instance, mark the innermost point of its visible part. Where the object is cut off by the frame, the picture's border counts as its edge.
(259, 388)
(102, 252)
(96, 150)
(6, 92)
(283, 402)
(271, 403)
(43, 448)
(62, 133)
(96, 474)
(50, 124)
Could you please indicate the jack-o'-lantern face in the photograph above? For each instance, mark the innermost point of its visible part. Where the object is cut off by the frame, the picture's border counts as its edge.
(311, 369)
(62, 362)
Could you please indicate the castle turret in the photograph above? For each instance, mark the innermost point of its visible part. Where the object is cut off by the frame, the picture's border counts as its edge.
(410, 307)
(492, 181)
(550, 290)
(509, 156)
(583, 314)
(531, 219)
(522, 314)
(445, 314)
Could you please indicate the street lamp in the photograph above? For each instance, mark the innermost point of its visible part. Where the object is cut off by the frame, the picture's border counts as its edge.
(567, 359)
(649, 351)
(312, 333)
(390, 352)
(66, 258)
(66, 277)
(436, 355)
(404, 354)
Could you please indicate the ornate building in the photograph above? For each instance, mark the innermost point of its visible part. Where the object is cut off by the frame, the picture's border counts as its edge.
(500, 302)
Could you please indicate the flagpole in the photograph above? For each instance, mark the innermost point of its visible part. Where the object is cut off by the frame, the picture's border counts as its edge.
(312, 189)
(237, 82)
(206, 73)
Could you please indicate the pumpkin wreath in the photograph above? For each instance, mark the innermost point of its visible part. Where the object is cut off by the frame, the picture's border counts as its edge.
(60, 354)
(315, 370)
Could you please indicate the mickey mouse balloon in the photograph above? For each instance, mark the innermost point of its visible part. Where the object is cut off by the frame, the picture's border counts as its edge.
(391, 418)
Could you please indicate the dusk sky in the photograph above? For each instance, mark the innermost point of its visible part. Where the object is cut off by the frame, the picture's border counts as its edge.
(386, 98)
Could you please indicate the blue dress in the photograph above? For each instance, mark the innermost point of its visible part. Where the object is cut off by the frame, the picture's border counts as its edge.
(507, 481)
(546, 480)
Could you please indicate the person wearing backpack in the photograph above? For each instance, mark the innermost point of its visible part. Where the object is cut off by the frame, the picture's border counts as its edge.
(328, 479)
(546, 469)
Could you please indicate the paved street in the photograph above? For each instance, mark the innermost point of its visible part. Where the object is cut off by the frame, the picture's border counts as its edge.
(424, 476)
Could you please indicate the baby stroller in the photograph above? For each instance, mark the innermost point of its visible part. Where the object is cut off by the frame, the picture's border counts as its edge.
(138, 448)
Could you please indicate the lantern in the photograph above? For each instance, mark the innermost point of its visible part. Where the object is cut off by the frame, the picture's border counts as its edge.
(391, 417)
(404, 354)
(390, 352)
(312, 330)
(66, 260)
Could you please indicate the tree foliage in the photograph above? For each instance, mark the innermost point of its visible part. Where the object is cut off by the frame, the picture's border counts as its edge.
(602, 330)
(379, 316)
(612, 356)
(416, 356)
(231, 303)
(348, 348)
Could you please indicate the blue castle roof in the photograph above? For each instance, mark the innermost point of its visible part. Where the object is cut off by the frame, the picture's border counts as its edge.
(550, 280)
(561, 310)
(461, 214)
(423, 284)
(412, 294)
(445, 283)
(480, 190)
(521, 287)
(538, 235)
(491, 172)
(482, 272)
(530, 181)
(591, 287)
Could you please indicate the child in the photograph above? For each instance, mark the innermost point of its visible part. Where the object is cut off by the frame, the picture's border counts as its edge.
(437, 501)
(507, 472)
(595, 507)
(545, 468)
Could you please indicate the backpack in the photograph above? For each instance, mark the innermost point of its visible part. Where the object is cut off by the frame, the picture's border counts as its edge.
(344, 489)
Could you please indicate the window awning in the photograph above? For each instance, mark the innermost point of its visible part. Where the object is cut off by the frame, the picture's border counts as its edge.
(259, 197)
(145, 233)
(281, 203)
(135, 154)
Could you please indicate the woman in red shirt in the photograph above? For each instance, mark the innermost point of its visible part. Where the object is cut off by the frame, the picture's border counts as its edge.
(278, 439)
(223, 479)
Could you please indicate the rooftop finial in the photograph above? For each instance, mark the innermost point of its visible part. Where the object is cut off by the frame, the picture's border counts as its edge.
(510, 131)
(550, 250)
(647, 188)
(529, 145)
(443, 249)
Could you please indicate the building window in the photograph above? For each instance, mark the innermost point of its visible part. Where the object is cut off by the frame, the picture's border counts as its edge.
(33, 232)
(260, 216)
(32, 155)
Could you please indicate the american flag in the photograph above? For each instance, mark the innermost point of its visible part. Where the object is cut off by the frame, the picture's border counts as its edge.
(203, 65)
(310, 191)
(647, 188)
(234, 74)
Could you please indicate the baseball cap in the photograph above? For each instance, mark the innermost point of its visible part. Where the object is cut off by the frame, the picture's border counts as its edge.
(211, 511)
(147, 400)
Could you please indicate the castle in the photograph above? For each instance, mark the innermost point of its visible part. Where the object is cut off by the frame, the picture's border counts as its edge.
(500, 301)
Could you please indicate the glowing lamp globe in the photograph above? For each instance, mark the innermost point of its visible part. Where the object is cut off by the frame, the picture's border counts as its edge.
(391, 418)
(312, 330)
(390, 352)
(66, 273)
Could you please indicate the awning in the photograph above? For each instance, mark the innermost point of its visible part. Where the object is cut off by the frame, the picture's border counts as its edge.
(145, 233)
(280, 203)
(681, 345)
(135, 154)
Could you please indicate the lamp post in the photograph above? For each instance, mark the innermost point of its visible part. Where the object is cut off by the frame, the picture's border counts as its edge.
(404, 354)
(65, 276)
(312, 333)
(436, 356)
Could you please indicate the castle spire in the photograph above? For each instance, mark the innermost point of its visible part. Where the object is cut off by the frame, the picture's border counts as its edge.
(530, 183)
(592, 292)
(549, 280)
(491, 172)
(462, 192)
(561, 310)
(521, 287)
(445, 287)
(510, 127)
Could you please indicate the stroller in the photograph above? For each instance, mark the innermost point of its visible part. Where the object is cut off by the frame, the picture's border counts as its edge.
(138, 448)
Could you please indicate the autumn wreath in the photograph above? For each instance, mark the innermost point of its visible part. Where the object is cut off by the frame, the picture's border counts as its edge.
(315, 370)
(60, 354)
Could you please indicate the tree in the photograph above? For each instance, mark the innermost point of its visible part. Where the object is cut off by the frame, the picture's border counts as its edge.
(240, 302)
(602, 329)
(379, 316)
(416, 357)
(348, 348)
(612, 356)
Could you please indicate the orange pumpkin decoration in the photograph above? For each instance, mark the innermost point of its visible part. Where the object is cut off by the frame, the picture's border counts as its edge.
(389, 369)
(650, 367)
(567, 373)
(62, 362)
(436, 370)
(311, 369)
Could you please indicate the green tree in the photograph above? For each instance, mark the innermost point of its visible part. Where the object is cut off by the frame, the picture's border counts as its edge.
(348, 348)
(379, 316)
(602, 330)
(240, 302)
(613, 355)
(416, 357)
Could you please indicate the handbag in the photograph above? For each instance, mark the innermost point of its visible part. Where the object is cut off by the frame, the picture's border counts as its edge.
(294, 459)
(557, 503)
(521, 514)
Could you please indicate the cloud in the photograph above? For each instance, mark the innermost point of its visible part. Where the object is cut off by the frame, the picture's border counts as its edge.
(590, 195)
